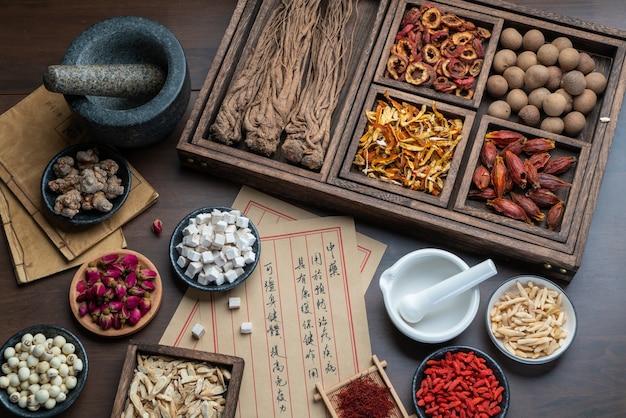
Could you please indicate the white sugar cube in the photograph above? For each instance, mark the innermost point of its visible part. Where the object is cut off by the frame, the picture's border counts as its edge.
(203, 278)
(193, 268)
(182, 261)
(249, 257)
(218, 241)
(191, 229)
(203, 218)
(242, 222)
(193, 255)
(239, 261)
(197, 331)
(207, 257)
(234, 303)
(246, 327)
(220, 279)
(220, 226)
(229, 218)
(231, 252)
(216, 216)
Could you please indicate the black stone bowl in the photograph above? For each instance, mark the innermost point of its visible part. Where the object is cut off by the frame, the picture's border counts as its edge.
(92, 216)
(49, 331)
(177, 237)
(125, 122)
(440, 354)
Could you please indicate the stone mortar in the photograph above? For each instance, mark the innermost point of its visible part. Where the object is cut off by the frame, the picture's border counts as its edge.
(129, 122)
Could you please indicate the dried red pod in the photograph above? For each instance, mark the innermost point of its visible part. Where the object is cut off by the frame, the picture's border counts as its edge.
(485, 194)
(539, 160)
(396, 66)
(499, 176)
(502, 138)
(530, 207)
(538, 145)
(509, 208)
(544, 198)
(420, 74)
(515, 147)
(552, 182)
(559, 165)
(555, 216)
(488, 154)
(532, 175)
(516, 168)
(481, 177)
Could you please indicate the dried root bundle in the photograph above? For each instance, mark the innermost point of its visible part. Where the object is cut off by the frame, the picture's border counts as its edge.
(308, 131)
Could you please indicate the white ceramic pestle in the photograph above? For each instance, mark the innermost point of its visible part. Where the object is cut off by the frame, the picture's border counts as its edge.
(415, 306)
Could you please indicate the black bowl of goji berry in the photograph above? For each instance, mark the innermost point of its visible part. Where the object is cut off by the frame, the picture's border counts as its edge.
(460, 378)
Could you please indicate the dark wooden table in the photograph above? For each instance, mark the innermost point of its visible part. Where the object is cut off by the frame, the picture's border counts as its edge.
(589, 381)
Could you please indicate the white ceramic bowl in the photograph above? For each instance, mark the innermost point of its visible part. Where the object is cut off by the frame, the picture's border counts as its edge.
(570, 324)
(417, 271)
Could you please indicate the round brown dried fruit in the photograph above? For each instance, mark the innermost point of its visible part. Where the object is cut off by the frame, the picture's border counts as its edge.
(585, 102)
(568, 59)
(596, 81)
(536, 76)
(514, 77)
(554, 104)
(537, 96)
(503, 59)
(499, 109)
(530, 115)
(510, 38)
(497, 85)
(586, 64)
(574, 123)
(554, 78)
(573, 82)
(526, 59)
(517, 99)
(562, 42)
(552, 124)
(532, 40)
(548, 54)
(569, 100)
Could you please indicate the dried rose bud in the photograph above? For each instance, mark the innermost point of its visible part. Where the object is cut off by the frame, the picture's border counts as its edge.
(130, 262)
(157, 226)
(106, 321)
(145, 305)
(147, 274)
(92, 275)
(109, 259)
(132, 302)
(148, 285)
(83, 309)
(120, 291)
(131, 280)
(134, 317)
(115, 306)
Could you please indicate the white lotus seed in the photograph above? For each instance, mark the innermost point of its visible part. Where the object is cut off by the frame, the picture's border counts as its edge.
(27, 337)
(13, 362)
(64, 370)
(54, 391)
(42, 396)
(71, 358)
(38, 350)
(68, 348)
(59, 341)
(71, 382)
(6, 369)
(44, 378)
(78, 365)
(34, 388)
(32, 361)
(62, 396)
(39, 338)
(14, 380)
(56, 381)
(15, 397)
(55, 362)
(33, 378)
(23, 373)
(42, 367)
(50, 403)
(4, 382)
(47, 355)
(9, 352)
(24, 355)
(23, 402)
(55, 351)
(52, 372)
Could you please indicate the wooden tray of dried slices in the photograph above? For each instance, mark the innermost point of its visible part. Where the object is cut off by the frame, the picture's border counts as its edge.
(399, 111)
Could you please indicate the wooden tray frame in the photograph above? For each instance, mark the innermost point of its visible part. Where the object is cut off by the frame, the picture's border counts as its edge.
(555, 258)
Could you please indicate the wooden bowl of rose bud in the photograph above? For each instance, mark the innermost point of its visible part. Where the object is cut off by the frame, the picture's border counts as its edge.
(131, 286)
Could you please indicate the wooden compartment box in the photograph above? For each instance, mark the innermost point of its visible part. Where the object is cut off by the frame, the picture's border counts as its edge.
(450, 218)
(232, 364)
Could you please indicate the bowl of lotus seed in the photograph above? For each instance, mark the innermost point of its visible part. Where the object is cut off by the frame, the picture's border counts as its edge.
(44, 370)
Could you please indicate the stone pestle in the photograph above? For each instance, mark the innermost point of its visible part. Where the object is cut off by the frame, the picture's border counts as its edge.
(109, 80)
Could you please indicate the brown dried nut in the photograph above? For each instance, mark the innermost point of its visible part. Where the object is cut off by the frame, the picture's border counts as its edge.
(396, 66)
(516, 168)
(538, 145)
(530, 207)
(488, 154)
(481, 177)
(420, 74)
(509, 208)
(502, 138)
(552, 182)
(559, 165)
(431, 54)
(485, 194)
(539, 160)
(499, 176)
(431, 16)
(555, 216)
(544, 198)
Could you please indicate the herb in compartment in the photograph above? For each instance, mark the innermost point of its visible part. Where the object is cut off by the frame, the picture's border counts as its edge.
(439, 50)
(408, 145)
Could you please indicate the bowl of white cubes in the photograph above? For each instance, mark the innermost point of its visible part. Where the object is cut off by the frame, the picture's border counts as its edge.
(214, 248)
